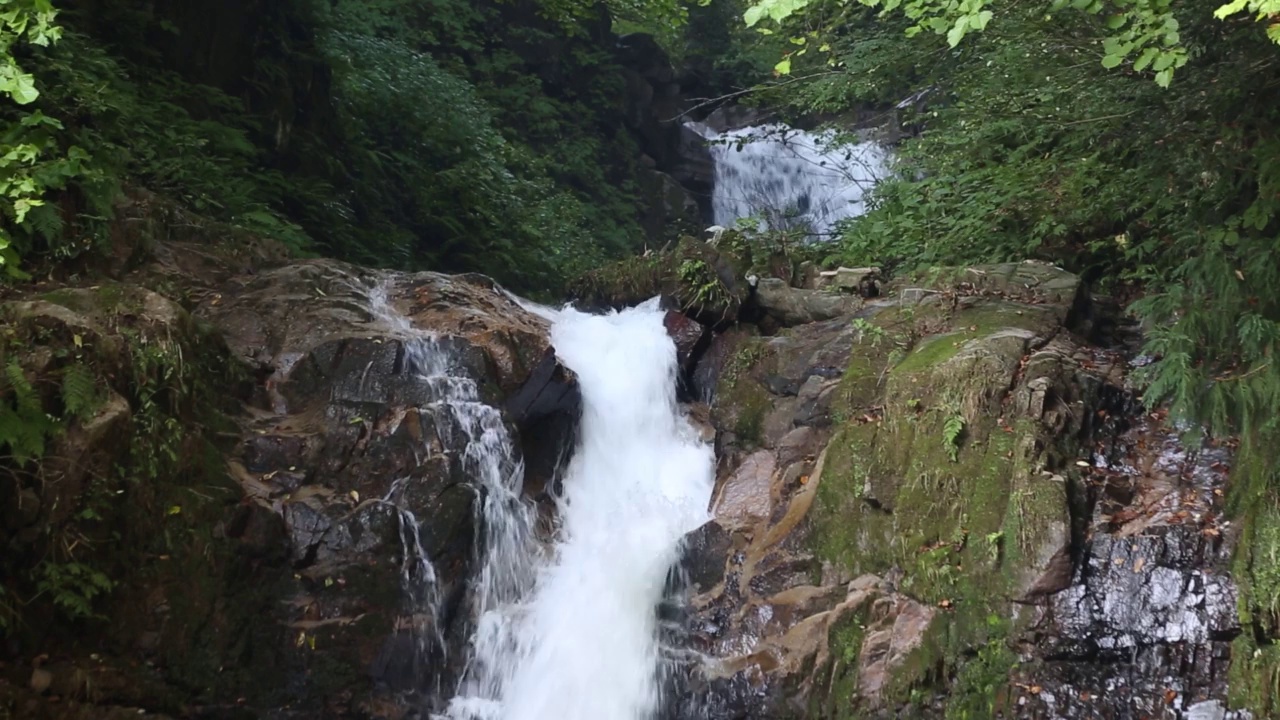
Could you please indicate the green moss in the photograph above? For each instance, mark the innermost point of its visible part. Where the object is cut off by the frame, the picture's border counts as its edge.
(746, 357)
(978, 322)
(981, 686)
(1254, 503)
(962, 520)
(934, 352)
(752, 405)
(837, 690)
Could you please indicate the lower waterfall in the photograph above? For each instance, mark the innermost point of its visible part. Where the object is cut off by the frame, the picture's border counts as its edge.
(582, 642)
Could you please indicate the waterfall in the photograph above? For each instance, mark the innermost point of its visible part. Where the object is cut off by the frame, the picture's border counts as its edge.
(791, 178)
(508, 547)
(581, 642)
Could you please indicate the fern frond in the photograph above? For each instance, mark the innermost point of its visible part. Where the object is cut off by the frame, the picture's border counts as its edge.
(80, 393)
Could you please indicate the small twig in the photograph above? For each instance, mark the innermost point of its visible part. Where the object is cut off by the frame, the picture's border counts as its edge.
(754, 88)
(1097, 119)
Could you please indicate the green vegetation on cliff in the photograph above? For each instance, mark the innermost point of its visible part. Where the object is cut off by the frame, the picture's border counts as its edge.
(1049, 135)
(441, 135)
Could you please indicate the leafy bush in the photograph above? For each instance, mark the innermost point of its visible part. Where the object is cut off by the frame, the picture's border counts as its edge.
(1028, 148)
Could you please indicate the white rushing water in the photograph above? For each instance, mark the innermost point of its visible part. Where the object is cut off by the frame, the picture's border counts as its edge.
(508, 547)
(581, 640)
(791, 178)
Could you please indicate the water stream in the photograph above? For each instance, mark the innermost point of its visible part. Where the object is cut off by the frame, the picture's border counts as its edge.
(577, 638)
(790, 178)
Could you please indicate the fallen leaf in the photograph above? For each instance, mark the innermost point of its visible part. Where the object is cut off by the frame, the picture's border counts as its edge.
(1138, 564)
(1170, 695)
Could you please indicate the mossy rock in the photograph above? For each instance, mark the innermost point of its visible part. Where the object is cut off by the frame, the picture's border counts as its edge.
(948, 486)
(1254, 502)
(130, 495)
(694, 277)
(1029, 282)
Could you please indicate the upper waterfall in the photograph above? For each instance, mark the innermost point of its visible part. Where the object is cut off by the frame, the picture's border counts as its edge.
(792, 178)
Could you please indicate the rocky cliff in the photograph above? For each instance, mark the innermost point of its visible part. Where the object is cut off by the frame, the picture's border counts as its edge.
(263, 475)
(942, 502)
(936, 496)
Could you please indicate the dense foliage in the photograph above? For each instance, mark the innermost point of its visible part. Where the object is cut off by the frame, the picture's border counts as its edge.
(1027, 145)
(437, 135)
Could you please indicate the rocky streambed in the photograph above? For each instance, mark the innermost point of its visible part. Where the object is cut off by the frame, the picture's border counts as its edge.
(935, 496)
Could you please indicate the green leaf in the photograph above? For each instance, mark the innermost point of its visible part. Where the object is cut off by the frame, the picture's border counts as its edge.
(753, 15)
(1145, 58)
(1230, 8)
(1111, 61)
(1164, 77)
(783, 67)
(23, 89)
(956, 34)
(1115, 21)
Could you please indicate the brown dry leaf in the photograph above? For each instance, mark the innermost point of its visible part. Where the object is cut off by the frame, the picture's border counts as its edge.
(1170, 695)
(1138, 565)
(1118, 561)
(804, 479)
(1035, 689)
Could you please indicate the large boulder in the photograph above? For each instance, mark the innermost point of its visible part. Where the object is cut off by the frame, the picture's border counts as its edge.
(374, 449)
(790, 306)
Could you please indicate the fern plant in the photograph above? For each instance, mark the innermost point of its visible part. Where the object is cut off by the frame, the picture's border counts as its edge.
(80, 393)
(24, 424)
(952, 428)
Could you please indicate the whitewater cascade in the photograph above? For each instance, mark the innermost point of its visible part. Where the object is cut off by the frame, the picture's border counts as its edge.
(509, 548)
(578, 638)
(793, 178)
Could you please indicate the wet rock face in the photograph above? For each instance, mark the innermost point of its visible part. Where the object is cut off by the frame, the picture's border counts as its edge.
(324, 322)
(1147, 622)
(382, 393)
(911, 521)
